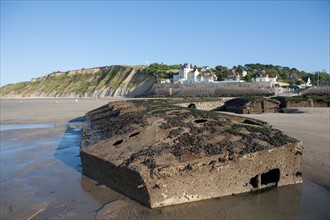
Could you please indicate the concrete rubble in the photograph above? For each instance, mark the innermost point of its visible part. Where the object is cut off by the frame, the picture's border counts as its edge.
(252, 105)
(162, 154)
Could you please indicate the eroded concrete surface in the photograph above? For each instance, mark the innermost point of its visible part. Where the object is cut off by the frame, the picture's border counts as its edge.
(160, 154)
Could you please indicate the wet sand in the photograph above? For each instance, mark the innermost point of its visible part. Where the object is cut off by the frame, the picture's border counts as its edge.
(35, 111)
(41, 171)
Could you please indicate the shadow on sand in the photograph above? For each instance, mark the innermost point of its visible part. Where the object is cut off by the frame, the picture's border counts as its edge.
(68, 149)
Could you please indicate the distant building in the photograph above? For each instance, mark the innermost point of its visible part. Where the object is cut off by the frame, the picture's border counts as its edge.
(165, 81)
(244, 73)
(188, 74)
(295, 78)
(263, 76)
(234, 76)
(206, 75)
(307, 81)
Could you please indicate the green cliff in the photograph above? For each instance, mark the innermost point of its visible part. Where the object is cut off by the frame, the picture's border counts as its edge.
(113, 81)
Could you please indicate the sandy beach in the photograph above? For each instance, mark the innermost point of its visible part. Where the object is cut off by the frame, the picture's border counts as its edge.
(312, 127)
(31, 111)
(41, 173)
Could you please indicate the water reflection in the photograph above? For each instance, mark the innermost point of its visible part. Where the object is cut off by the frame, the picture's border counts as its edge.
(75, 123)
(9, 127)
(69, 147)
(282, 202)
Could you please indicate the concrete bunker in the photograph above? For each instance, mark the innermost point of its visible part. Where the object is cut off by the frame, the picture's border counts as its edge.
(160, 154)
(252, 105)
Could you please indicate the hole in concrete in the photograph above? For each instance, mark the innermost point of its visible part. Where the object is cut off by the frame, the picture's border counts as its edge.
(222, 160)
(192, 105)
(250, 122)
(118, 142)
(132, 135)
(271, 177)
(299, 174)
(198, 121)
(254, 181)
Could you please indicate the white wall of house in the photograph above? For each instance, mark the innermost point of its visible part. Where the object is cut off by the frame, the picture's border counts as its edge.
(265, 79)
(183, 74)
(309, 82)
(208, 79)
(189, 75)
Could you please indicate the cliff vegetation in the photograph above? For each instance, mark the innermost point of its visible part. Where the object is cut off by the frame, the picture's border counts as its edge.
(128, 81)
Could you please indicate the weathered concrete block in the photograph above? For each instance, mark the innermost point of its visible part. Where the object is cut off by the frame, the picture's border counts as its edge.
(252, 105)
(160, 154)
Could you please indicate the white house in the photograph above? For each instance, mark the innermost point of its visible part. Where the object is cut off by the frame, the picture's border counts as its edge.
(233, 77)
(206, 75)
(264, 77)
(307, 81)
(186, 74)
(295, 78)
(189, 75)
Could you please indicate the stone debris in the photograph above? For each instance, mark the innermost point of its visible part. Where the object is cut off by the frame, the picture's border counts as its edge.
(162, 154)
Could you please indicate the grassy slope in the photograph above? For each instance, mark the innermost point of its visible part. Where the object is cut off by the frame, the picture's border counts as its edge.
(80, 83)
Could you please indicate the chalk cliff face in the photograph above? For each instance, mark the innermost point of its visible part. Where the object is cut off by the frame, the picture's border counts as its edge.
(108, 81)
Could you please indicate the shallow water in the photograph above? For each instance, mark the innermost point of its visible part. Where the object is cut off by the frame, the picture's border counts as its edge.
(8, 127)
(41, 178)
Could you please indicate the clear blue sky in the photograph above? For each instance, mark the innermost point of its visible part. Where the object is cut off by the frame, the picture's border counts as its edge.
(39, 37)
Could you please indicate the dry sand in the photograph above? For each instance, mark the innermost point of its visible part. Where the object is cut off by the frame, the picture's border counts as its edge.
(41, 173)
